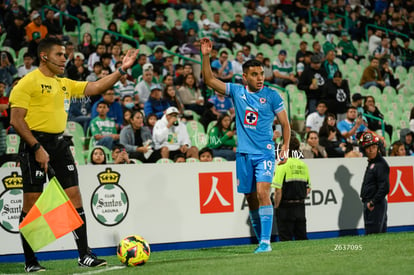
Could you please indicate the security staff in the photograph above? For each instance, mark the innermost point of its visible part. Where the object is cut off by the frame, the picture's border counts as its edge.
(39, 108)
(292, 184)
(375, 186)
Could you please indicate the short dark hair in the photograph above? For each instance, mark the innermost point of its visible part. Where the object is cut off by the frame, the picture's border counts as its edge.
(102, 103)
(46, 44)
(251, 63)
(205, 150)
(294, 144)
(118, 146)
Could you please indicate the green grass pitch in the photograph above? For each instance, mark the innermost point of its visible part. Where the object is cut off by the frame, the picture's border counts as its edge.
(391, 253)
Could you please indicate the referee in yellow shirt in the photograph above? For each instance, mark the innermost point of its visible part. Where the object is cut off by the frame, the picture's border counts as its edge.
(39, 108)
(292, 184)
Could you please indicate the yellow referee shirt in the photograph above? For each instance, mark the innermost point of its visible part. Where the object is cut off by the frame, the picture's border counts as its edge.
(46, 100)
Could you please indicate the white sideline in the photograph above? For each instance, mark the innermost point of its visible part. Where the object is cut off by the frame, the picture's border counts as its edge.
(101, 270)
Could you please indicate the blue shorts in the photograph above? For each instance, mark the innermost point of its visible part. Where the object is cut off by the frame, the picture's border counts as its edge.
(251, 169)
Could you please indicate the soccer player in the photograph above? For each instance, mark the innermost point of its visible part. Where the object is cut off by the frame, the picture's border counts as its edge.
(39, 107)
(256, 107)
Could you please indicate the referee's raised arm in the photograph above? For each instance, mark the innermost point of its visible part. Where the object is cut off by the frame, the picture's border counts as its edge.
(103, 84)
(211, 81)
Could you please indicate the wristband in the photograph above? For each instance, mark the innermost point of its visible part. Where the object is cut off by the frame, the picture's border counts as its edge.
(122, 72)
(36, 147)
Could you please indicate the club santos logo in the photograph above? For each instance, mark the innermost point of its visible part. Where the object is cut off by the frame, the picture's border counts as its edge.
(216, 192)
(109, 202)
(11, 203)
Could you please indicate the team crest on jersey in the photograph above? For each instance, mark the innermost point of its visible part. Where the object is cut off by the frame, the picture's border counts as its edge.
(251, 117)
(262, 100)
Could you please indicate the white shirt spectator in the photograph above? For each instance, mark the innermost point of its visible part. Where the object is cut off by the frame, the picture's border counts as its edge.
(173, 137)
(22, 70)
(314, 121)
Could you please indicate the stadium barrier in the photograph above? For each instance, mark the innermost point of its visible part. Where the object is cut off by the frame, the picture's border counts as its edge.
(188, 205)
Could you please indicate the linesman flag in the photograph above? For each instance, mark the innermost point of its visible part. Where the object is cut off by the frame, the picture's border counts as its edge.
(51, 217)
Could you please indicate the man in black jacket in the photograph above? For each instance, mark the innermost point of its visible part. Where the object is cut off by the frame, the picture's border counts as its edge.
(312, 81)
(375, 186)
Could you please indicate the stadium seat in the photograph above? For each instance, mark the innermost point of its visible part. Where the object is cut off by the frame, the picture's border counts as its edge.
(11, 51)
(199, 140)
(78, 155)
(192, 160)
(164, 160)
(136, 161)
(211, 125)
(219, 159)
(12, 143)
(9, 164)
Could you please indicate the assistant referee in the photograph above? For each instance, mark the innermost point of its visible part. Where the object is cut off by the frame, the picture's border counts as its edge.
(39, 109)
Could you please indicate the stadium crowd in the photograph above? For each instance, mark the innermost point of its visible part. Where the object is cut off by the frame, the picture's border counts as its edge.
(313, 46)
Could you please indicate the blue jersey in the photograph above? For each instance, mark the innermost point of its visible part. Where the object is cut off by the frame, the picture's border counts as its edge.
(255, 112)
(344, 126)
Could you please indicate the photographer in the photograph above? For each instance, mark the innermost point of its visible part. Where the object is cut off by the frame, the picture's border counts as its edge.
(119, 155)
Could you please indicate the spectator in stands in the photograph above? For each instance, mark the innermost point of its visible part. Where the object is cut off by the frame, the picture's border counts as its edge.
(312, 81)
(206, 31)
(171, 97)
(237, 65)
(374, 41)
(86, 46)
(301, 8)
(137, 140)
(154, 8)
(143, 87)
(127, 103)
(224, 35)
(115, 109)
(372, 75)
(388, 75)
(351, 125)
(280, 21)
(302, 27)
(103, 129)
(15, 34)
(121, 9)
(250, 21)
(52, 24)
(215, 24)
(372, 110)
(150, 121)
(347, 48)
(407, 138)
(215, 107)
(107, 40)
(162, 32)
(330, 138)
(355, 26)
(330, 65)
(130, 28)
(247, 52)
(75, 9)
(27, 66)
(190, 23)
(96, 73)
(97, 156)
(332, 24)
(398, 149)
(337, 95)
(224, 67)
(191, 96)
(138, 8)
(205, 155)
(329, 44)
(78, 70)
(268, 71)
(314, 120)
(106, 59)
(221, 139)
(300, 67)
(266, 32)
(120, 155)
(178, 33)
(35, 26)
(137, 69)
(96, 56)
(239, 31)
(262, 9)
(7, 68)
(312, 149)
(14, 10)
(157, 58)
(317, 50)
(407, 57)
(283, 70)
(300, 54)
(179, 158)
(155, 103)
(179, 79)
(148, 35)
(383, 50)
(124, 87)
(171, 136)
(80, 112)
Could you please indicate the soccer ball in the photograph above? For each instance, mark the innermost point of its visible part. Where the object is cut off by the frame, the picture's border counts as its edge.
(133, 250)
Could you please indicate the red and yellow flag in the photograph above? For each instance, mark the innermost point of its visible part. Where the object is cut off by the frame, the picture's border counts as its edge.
(51, 217)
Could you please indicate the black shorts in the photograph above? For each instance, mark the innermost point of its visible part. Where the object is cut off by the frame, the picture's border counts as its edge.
(61, 160)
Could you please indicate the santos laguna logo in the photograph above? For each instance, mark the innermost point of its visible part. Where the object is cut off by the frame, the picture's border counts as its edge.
(216, 192)
(401, 184)
(109, 201)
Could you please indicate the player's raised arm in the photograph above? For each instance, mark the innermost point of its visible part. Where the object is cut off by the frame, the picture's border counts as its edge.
(211, 81)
